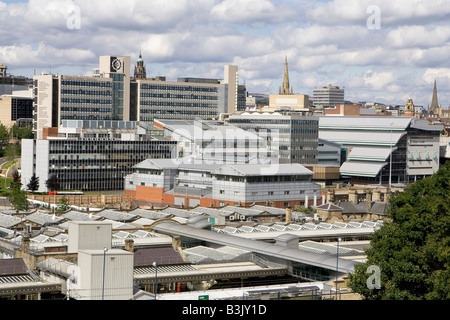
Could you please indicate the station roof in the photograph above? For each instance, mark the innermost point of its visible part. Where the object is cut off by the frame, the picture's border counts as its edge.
(362, 168)
(261, 247)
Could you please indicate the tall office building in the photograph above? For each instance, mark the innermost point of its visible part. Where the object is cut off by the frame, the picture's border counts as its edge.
(104, 97)
(328, 96)
(111, 94)
(292, 135)
(189, 98)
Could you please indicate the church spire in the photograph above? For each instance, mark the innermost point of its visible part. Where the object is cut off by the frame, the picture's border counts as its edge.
(286, 89)
(434, 100)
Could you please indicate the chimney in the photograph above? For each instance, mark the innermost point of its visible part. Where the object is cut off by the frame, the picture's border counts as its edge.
(129, 245)
(368, 199)
(353, 196)
(26, 244)
(330, 196)
(288, 214)
(387, 195)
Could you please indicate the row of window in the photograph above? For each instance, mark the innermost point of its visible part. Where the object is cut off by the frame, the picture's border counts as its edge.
(179, 112)
(269, 193)
(86, 109)
(86, 92)
(166, 87)
(419, 156)
(178, 104)
(177, 96)
(86, 101)
(86, 84)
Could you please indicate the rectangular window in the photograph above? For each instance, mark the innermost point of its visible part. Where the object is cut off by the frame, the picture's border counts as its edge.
(221, 191)
(270, 193)
(286, 192)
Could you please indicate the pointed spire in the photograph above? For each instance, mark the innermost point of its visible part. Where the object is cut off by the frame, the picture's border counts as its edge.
(286, 89)
(434, 100)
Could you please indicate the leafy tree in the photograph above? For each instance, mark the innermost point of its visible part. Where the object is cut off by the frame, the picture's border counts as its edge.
(18, 198)
(23, 132)
(16, 178)
(412, 250)
(52, 183)
(12, 150)
(4, 134)
(33, 185)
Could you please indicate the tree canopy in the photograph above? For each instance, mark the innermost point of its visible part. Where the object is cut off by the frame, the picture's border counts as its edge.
(52, 183)
(33, 185)
(412, 250)
(17, 197)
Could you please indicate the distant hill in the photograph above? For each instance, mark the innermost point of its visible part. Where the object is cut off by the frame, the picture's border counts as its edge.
(261, 98)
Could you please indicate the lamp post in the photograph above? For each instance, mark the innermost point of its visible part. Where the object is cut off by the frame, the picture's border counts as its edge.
(156, 277)
(104, 262)
(337, 262)
(390, 158)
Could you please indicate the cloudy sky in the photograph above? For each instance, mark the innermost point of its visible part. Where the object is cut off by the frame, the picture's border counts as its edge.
(378, 50)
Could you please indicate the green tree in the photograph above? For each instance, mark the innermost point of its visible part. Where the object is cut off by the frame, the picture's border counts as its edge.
(33, 184)
(16, 178)
(23, 132)
(412, 250)
(12, 150)
(4, 134)
(18, 198)
(52, 183)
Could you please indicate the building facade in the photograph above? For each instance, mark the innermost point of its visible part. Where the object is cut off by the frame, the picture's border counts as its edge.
(16, 108)
(90, 155)
(103, 97)
(111, 94)
(214, 141)
(328, 96)
(384, 150)
(188, 183)
(293, 136)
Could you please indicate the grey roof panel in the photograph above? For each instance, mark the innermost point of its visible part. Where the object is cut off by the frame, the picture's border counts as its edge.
(324, 261)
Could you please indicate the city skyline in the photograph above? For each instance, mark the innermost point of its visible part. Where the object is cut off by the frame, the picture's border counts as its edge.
(379, 51)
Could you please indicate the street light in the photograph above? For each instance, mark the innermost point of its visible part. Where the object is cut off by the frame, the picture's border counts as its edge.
(104, 260)
(156, 277)
(337, 262)
(390, 159)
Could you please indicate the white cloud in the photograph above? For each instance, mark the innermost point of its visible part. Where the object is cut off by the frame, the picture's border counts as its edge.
(378, 80)
(325, 42)
(251, 11)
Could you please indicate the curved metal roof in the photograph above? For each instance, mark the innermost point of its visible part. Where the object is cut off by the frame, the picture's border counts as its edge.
(261, 247)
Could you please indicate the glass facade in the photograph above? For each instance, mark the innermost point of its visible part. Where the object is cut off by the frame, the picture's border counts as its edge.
(178, 101)
(85, 98)
(97, 165)
(295, 140)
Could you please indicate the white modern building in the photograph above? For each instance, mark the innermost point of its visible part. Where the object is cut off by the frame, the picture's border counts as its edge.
(216, 141)
(371, 142)
(91, 155)
(189, 182)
